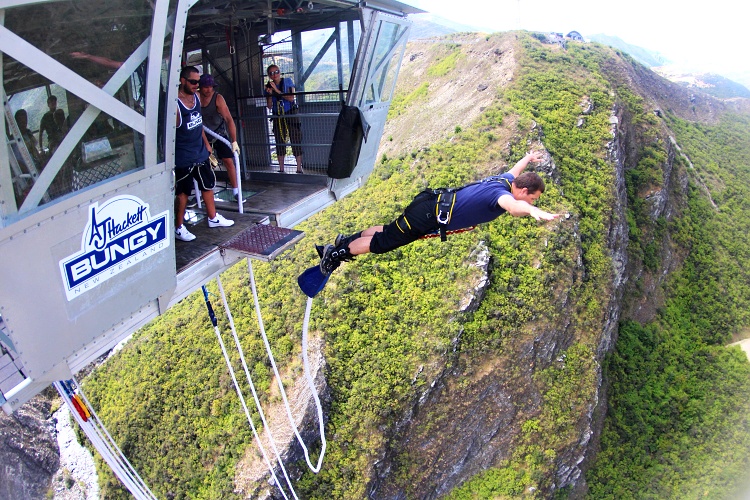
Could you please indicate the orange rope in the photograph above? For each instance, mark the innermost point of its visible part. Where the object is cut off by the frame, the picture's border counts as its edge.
(453, 231)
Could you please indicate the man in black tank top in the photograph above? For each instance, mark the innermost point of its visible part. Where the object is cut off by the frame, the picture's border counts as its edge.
(217, 118)
(191, 153)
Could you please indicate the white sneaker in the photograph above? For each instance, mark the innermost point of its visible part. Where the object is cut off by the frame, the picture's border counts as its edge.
(220, 221)
(182, 233)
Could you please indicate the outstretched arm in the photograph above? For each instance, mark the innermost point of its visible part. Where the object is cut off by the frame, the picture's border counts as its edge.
(519, 167)
(520, 208)
(104, 61)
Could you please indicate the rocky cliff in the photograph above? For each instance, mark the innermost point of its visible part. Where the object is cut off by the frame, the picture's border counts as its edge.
(469, 418)
(28, 451)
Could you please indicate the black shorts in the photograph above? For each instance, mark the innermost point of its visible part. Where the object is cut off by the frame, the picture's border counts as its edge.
(221, 150)
(417, 220)
(287, 128)
(201, 172)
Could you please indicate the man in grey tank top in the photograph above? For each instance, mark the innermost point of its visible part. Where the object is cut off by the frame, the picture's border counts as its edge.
(217, 118)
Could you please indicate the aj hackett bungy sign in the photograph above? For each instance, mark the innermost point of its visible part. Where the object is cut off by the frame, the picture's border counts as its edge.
(119, 235)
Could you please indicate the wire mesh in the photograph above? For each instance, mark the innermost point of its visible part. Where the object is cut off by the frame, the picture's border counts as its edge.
(317, 115)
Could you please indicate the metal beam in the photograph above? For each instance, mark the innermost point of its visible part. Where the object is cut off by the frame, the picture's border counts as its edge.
(159, 29)
(79, 128)
(35, 59)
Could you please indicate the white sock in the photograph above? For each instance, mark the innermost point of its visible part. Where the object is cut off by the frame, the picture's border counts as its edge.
(236, 190)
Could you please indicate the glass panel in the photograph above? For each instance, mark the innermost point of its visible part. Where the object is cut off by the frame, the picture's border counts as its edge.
(384, 63)
(105, 148)
(279, 52)
(319, 47)
(93, 38)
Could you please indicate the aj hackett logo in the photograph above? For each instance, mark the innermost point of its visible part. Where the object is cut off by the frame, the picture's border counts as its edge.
(119, 235)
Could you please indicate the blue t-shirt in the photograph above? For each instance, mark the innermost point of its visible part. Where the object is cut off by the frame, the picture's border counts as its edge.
(285, 86)
(189, 147)
(477, 203)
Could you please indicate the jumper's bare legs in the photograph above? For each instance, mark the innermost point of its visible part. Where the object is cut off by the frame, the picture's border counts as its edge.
(362, 244)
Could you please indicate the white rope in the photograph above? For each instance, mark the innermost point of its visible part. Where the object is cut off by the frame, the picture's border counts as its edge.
(245, 408)
(308, 376)
(236, 165)
(105, 445)
(252, 386)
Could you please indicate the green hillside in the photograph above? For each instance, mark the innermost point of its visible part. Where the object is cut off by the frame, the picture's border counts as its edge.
(677, 422)
(678, 411)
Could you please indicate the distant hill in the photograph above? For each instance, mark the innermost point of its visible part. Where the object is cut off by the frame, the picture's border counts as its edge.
(712, 84)
(644, 56)
(430, 26)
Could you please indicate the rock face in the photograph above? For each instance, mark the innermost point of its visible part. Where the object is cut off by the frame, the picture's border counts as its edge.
(76, 478)
(28, 451)
(468, 419)
(481, 400)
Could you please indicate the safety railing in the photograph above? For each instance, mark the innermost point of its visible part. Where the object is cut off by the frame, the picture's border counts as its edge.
(316, 117)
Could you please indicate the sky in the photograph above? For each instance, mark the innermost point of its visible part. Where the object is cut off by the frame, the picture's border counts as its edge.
(709, 37)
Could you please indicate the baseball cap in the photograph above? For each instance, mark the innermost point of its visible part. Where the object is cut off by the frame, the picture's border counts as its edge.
(207, 81)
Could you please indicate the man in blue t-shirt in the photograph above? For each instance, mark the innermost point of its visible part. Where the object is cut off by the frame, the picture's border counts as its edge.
(513, 192)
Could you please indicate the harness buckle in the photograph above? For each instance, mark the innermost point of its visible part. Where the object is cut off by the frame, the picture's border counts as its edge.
(444, 209)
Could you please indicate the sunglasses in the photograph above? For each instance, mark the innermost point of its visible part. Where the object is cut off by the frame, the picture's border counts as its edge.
(191, 81)
(274, 72)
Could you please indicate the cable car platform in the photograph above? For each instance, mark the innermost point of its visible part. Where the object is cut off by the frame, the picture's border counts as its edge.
(287, 199)
(251, 234)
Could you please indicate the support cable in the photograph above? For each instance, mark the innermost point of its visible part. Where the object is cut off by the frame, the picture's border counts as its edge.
(107, 438)
(83, 415)
(98, 435)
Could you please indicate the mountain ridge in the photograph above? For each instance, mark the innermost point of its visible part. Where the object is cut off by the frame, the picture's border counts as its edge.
(427, 399)
(431, 26)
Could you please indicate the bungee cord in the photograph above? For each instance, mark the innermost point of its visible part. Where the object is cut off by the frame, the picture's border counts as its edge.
(308, 376)
(215, 324)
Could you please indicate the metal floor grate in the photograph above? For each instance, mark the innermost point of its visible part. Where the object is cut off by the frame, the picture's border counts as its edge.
(263, 241)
